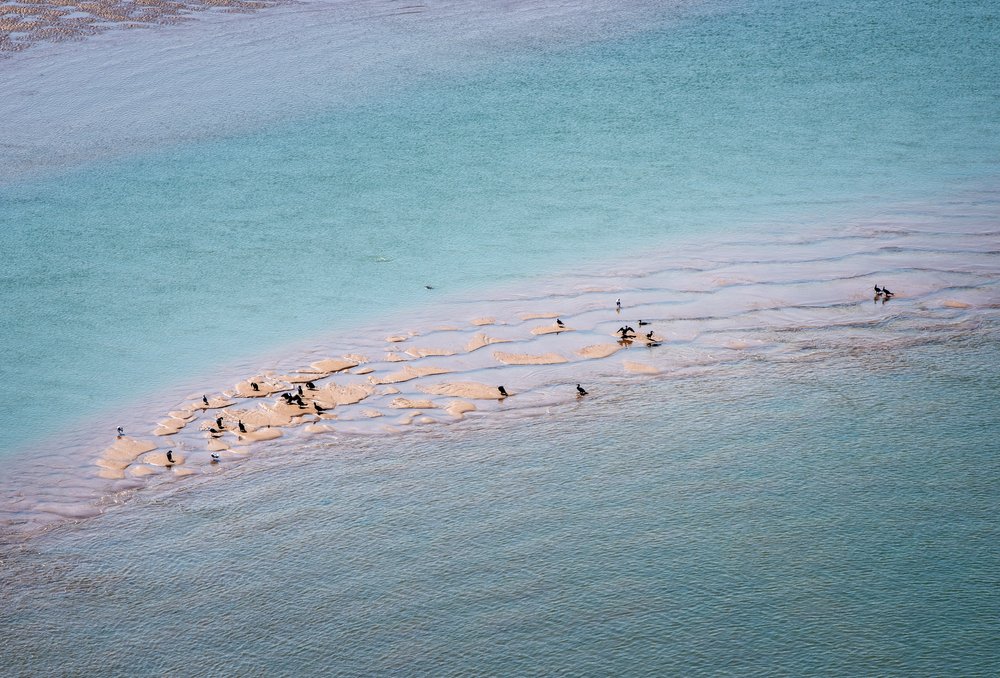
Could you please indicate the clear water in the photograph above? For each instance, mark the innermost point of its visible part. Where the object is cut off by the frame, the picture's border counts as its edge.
(822, 503)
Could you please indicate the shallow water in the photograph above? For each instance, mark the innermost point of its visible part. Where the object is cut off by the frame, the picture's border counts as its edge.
(799, 480)
(785, 519)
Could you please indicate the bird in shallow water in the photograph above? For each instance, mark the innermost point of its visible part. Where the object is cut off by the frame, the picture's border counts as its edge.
(428, 287)
(886, 292)
(581, 390)
(643, 322)
(503, 391)
(215, 458)
(204, 399)
(878, 290)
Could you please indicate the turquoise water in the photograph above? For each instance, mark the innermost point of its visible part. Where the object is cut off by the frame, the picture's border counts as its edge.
(822, 502)
(122, 276)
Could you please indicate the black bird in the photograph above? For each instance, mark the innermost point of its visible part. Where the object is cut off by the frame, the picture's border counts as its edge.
(243, 429)
(503, 391)
(299, 389)
(254, 386)
(559, 322)
(886, 292)
(643, 322)
(655, 343)
(288, 397)
(311, 386)
(580, 390)
(649, 335)
(204, 399)
(878, 290)
(170, 456)
(629, 329)
(428, 287)
(218, 422)
(212, 430)
(318, 408)
(121, 431)
(215, 458)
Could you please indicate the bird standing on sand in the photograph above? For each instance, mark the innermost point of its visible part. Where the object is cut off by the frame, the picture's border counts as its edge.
(299, 389)
(218, 422)
(878, 290)
(886, 292)
(580, 390)
(649, 335)
(243, 429)
(503, 391)
(121, 431)
(317, 407)
(204, 399)
(170, 456)
(311, 386)
(254, 386)
(559, 322)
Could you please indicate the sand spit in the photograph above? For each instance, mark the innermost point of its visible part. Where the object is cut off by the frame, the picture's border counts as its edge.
(408, 373)
(408, 404)
(719, 323)
(428, 352)
(480, 339)
(527, 359)
(332, 365)
(596, 351)
(551, 329)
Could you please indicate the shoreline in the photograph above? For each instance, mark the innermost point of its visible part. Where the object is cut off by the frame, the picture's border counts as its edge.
(731, 301)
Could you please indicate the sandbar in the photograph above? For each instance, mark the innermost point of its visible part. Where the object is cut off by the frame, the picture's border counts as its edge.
(527, 359)
(550, 329)
(408, 404)
(463, 389)
(599, 350)
(407, 373)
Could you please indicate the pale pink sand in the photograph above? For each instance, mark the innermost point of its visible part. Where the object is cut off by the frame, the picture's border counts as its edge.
(458, 408)
(463, 389)
(954, 303)
(550, 329)
(484, 321)
(527, 359)
(408, 404)
(480, 339)
(245, 390)
(331, 365)
(407, 373)
(427, 352)
(599, 350)
(332, 395)
(123, 452)
(262, 434)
